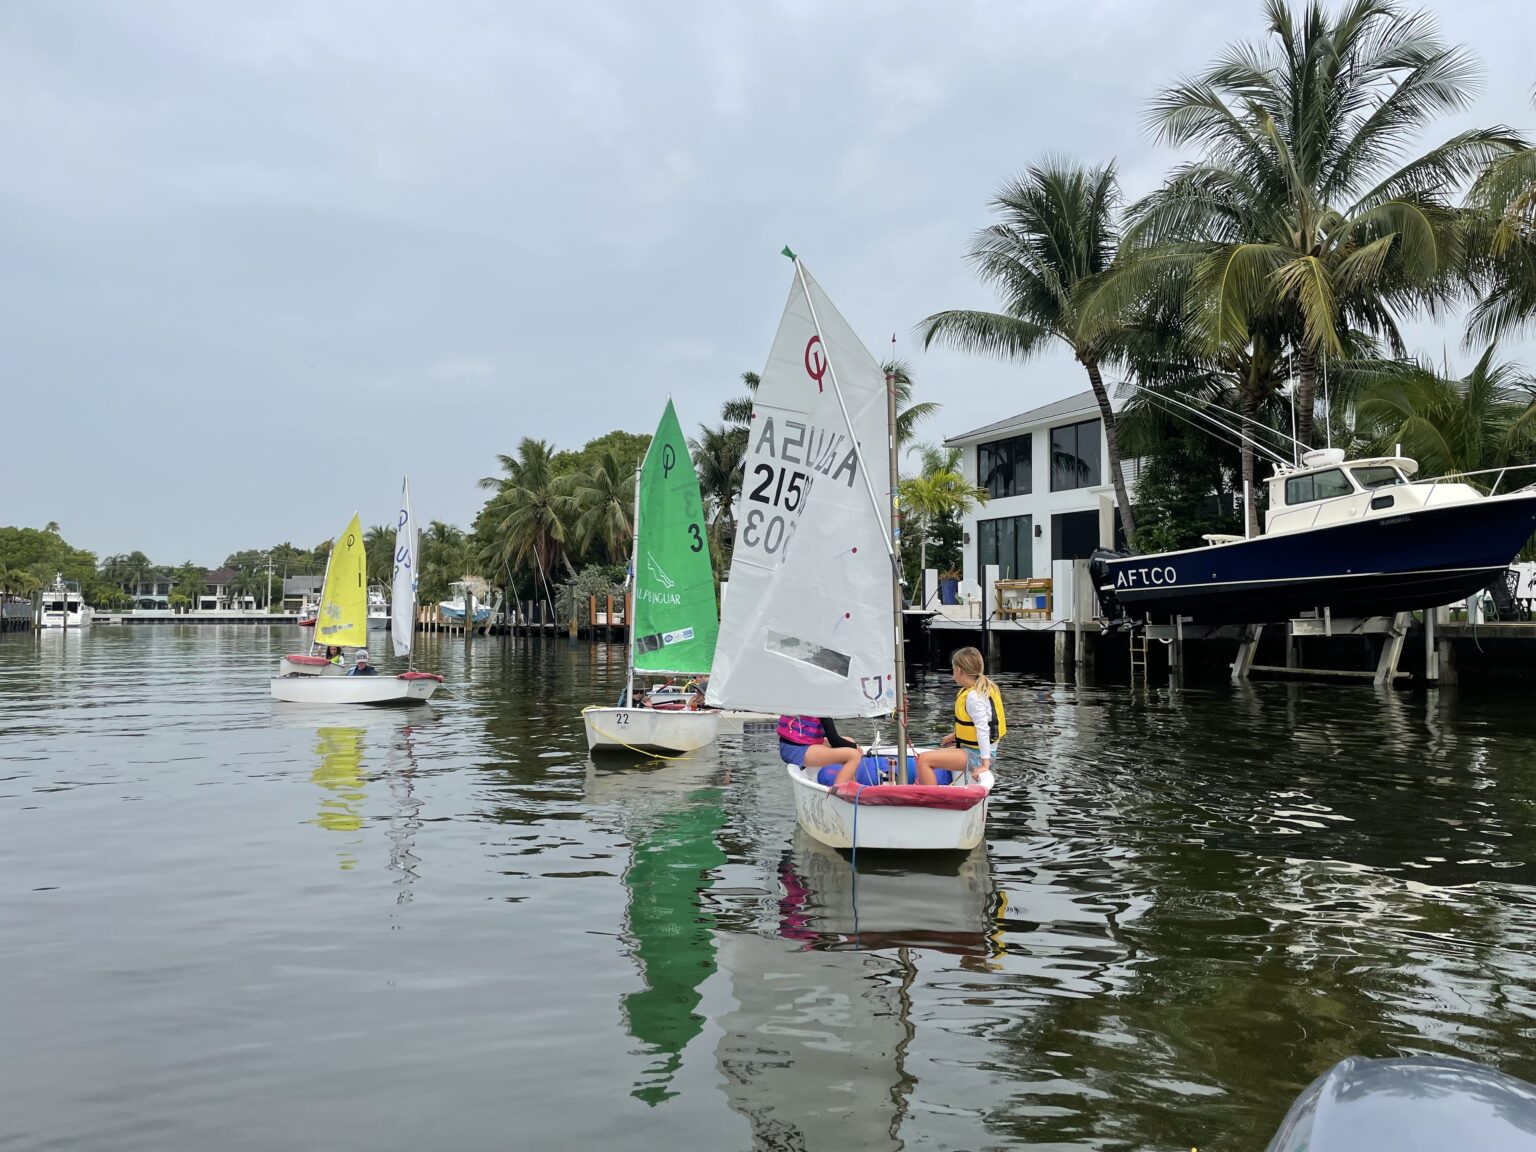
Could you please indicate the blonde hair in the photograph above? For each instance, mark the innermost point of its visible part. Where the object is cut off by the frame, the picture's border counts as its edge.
(968, 660)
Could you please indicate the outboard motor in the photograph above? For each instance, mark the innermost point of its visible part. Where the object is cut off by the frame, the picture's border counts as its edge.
(1109, 604)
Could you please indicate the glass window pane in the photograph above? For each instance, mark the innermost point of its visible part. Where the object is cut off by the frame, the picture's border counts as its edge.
(1088, 451)
(1331, 483)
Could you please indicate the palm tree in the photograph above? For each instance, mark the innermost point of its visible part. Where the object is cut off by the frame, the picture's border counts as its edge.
(1502, 247)
(717, 458)
(1487, 419)
(939, 491)
(604, 496)
(1057, 236)
(1298, 215)
(379, 547)
(52, 526)
(533, 512)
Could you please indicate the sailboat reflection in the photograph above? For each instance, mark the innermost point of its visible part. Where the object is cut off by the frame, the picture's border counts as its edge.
(340, 773)
(950, 906)
(670, 816)
(406, 819)
(814, 1054)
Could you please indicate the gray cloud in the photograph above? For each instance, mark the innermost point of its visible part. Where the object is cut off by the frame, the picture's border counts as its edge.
(260, 259)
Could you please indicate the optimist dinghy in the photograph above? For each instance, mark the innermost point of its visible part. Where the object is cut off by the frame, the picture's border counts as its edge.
(813, 624)
(674, 622)
(343, 616)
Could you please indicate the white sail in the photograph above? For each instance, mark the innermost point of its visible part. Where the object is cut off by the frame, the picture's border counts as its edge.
(402, 594)
(807, 628)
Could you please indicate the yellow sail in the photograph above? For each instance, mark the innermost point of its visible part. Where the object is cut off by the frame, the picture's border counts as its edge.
(343, 617)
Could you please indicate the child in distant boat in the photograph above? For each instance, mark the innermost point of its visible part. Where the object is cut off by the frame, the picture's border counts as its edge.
(813, 742)
(979, 722)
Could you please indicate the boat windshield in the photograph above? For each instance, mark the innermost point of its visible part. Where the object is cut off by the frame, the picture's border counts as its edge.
(1378, 476)
(1317, 486)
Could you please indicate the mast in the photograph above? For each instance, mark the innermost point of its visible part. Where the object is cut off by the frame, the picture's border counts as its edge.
(634, 588)
(896, 605)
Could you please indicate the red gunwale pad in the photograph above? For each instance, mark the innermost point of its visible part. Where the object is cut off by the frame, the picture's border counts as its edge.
(955, 798)
(314, 660)
(421, 676)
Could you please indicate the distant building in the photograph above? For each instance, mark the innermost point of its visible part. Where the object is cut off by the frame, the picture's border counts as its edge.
(297, 589)
(218, 594)
(152, 593)
(1045, 472)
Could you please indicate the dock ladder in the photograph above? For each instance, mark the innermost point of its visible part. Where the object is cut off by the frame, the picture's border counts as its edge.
(1138, 654)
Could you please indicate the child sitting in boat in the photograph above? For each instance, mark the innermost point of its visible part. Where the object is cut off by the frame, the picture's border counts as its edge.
(813, 742)
(979, 722)
(362, 667)
(333, 655)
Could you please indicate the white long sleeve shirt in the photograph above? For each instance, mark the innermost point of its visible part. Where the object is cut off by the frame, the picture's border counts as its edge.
(979, 706)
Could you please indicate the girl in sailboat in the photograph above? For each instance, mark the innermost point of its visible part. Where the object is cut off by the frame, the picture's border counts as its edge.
(979, 722)
(813, 742)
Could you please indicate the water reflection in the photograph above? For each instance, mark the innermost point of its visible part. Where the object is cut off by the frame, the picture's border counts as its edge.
(671, 815)
(340, 774)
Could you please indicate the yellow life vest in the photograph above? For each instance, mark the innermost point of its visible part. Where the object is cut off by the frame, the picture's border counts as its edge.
(965, 731)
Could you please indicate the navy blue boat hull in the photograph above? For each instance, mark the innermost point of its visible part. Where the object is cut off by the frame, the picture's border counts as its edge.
(1372, 567)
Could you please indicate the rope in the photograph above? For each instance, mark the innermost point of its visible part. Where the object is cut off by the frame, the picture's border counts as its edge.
(642, 752)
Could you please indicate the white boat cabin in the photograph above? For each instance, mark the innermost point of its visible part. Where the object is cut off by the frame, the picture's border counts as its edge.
(1325, 489)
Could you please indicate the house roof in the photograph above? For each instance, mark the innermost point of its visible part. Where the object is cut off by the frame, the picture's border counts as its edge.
(1078, 404)
(221, 576)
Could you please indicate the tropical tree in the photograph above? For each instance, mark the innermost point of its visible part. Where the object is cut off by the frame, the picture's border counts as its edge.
(533, 513)
(1486, 419)
(717, 458)
(1056, 239)
(248, 582)
(446, 556)
(939, 492)
(604, 498)
(1299, 215)
(1502, 247)
(52, 526)
(18, 581)
(188, 580)
(379, 547)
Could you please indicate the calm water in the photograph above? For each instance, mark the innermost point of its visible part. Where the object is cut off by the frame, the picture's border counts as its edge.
(239, 925)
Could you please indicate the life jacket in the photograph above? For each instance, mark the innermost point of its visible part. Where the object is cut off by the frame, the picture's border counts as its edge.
(801, 729)
(965, 731)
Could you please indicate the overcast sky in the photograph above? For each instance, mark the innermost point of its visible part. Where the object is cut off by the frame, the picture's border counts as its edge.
(257, 260)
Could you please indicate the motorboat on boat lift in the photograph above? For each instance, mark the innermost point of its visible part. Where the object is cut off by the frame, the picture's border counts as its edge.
(1352, 537)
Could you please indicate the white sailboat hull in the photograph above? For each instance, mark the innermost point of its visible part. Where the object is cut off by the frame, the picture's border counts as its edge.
(648, 729)
(409, 688)
(840, 822)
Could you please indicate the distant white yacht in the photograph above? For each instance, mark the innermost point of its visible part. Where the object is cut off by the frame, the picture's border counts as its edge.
(378, 608)
(64, 607)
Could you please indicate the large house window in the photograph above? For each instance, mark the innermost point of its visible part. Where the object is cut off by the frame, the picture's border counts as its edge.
(1074, 535)
(1002, 467)
(1005, 542)
(1076, 456)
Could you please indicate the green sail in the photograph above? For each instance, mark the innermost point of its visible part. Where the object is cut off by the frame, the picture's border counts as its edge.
(676, 619)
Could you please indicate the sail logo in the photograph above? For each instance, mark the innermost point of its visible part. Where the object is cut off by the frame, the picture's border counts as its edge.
(658, 572)
(678, 636)
(820, 449)
(816, 363)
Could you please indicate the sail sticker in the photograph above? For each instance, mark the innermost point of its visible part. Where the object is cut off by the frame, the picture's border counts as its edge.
(656, 641)
(808, 652)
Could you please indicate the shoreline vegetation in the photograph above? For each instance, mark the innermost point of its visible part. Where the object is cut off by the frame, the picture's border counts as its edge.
(1263, 286)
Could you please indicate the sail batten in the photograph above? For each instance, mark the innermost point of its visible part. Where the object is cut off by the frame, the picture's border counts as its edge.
(675, 620)
(806, 628)
(343, 616)
(402, 594)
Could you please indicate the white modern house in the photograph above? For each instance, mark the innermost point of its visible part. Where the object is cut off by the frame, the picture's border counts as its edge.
(1046, 475)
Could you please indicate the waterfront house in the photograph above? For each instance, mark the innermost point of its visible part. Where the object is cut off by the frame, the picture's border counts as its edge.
(218, 593)
(152, 593)
(1046, 475)
(298, 589)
